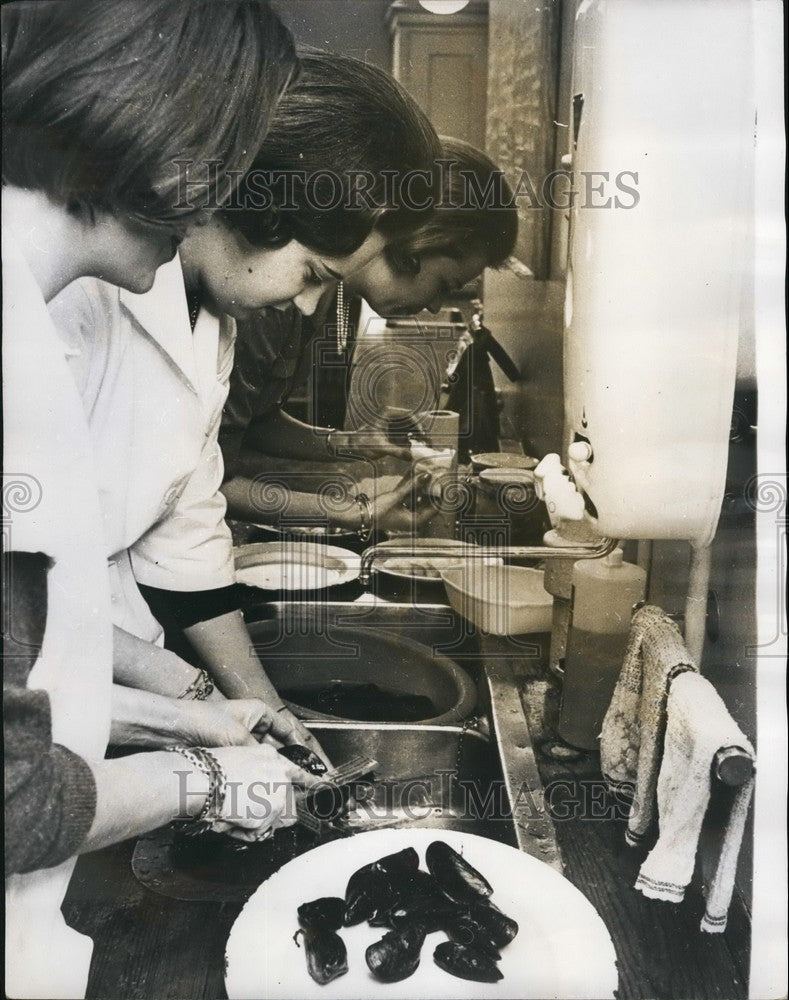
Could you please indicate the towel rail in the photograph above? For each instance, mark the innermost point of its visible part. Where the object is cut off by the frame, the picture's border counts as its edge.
(732, 766)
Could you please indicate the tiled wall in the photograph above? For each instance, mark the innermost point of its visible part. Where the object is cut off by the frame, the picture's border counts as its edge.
(524, 313)
(523, 72)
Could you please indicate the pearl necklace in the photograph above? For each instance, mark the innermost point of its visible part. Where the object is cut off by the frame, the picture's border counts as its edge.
(193, 305)
(343, 310)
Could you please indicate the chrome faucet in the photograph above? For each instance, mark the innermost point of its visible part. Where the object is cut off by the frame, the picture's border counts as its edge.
(595, 551)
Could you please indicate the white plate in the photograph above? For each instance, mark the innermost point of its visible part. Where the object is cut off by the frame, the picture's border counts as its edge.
(562, 949)
(294, 565)
(418, 567)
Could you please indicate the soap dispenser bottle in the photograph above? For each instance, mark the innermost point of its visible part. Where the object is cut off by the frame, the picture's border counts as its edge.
(603, 594)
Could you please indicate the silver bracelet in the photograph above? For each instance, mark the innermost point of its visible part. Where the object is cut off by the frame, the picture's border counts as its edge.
(365, 517)
(200, 688)
(208, 764)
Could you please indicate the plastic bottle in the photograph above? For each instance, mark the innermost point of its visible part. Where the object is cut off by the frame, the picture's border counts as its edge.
(603, 594)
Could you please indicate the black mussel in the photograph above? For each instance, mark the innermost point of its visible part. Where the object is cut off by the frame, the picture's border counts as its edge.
(405, 860)
(457, 878)
(327, 958)
(409, 888)
(324, 914)
(420, 884)
(413, 887)
(359, 880)
(465, 962)
(382, 917)
(501, 928)
(368, 892)
(432, 914)
(304, 758)
(396, 955)
(464, 929)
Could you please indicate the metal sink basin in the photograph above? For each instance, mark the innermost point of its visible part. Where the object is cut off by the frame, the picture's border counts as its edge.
(343, 674)
(479, 776)
(434, 625)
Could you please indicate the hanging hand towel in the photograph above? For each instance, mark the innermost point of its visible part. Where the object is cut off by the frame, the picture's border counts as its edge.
(698, 726)
(633, 726)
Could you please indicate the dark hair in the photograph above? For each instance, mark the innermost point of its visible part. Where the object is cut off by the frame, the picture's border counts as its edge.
(341, 121)
(103, 98)
(476, 212)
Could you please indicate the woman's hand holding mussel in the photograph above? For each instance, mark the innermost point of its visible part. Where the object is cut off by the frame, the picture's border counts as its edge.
(260, 791)
(227, 722)
(287, 729)
(241, 722)
(400, 509)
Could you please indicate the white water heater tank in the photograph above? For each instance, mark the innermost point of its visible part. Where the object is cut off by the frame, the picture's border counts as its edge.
(660, 239)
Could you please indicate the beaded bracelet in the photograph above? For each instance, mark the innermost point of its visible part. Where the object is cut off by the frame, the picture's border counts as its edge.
(365, 517)
(207, 763)
(200, 688)
(220, 788)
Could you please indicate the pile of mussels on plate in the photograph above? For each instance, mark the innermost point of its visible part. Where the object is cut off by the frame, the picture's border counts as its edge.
(393, 892)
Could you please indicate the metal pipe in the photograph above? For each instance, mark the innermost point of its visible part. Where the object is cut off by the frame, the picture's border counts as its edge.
(601, 548)
(696, 603)
(644, 560)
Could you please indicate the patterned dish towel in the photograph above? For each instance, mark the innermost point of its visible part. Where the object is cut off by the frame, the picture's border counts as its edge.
(698, 726)
(633, 727)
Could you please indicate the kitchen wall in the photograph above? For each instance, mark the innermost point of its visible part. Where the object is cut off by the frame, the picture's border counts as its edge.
(523, 77)
(526, 85)
(351, 27)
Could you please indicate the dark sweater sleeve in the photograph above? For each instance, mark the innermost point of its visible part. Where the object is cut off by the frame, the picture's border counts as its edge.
(50, 792)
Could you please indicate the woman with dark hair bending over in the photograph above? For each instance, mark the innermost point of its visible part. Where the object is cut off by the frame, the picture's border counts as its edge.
(474, 227)
(99, 104)
(164, 514)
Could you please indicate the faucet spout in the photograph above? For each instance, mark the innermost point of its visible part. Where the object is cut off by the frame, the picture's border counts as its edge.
(602, 547)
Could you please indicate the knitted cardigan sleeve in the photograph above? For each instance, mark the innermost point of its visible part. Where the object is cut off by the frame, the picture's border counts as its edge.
(50, 792)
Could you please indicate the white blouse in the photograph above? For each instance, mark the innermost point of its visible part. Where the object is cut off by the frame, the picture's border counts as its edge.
(153, 392)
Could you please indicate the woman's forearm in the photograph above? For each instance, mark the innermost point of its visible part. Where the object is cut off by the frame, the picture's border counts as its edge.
(265, 502)
(280, 434)
(140, 664)
(144, 719)
(225, 646)
(142, 792)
